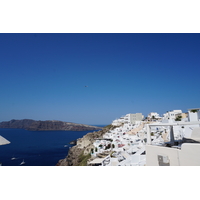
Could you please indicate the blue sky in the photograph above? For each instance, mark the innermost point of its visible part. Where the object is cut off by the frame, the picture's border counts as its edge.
(43, 76)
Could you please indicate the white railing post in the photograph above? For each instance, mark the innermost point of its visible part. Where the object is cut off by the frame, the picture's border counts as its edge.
(148, 135)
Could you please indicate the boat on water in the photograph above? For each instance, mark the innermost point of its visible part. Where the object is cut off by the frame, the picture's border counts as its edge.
(22, 163)
(13, 158)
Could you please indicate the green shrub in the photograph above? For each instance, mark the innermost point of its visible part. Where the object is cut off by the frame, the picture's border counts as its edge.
(110, 127)
(82, 159)
(178, 118)
(194, 110)
(108, 146)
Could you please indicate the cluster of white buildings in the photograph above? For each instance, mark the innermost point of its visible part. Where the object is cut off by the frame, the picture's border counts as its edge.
(173, 139)
(126, 148)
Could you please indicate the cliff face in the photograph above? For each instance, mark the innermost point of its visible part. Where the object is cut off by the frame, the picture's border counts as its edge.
(80, 153)
(33, 125)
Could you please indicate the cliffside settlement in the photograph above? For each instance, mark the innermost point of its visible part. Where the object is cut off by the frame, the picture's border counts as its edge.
(131, 140)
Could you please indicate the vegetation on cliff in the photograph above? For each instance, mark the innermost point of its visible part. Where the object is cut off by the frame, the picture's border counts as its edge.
(110, 127)
(82, 159)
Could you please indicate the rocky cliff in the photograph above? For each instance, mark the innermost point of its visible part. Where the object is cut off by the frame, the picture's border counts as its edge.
(48, 125)
(79, 154)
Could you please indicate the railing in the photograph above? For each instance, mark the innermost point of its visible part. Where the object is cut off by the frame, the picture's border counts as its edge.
(171, 129)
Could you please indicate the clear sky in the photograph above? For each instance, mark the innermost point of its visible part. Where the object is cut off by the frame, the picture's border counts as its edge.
(43, 76)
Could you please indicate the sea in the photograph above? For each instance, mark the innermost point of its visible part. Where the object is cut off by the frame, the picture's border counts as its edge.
(36, 148)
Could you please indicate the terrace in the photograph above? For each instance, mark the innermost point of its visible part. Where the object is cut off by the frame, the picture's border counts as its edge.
(182, 152)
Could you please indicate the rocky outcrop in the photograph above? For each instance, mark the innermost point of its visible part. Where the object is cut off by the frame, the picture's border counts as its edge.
(48, 125)
(83, 148)
(74, 142)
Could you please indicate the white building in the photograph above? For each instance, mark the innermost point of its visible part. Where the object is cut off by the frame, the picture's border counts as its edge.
(118, 122)
(172, 114)
(154, 115)
(128, 119)
(194, 114)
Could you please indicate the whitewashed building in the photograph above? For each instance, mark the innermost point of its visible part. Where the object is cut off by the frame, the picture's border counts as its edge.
(153, 114)
(194, 114)
(172, 114)
(128, 119)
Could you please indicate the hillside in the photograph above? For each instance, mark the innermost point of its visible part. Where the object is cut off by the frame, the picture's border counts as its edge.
(29, 124)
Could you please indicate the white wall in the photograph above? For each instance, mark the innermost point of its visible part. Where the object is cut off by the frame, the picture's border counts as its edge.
(189, 154)
(152, 153)
(188, 130)
(193, 116)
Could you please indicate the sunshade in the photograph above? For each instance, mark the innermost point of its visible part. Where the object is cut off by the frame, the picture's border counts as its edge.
(3, 141)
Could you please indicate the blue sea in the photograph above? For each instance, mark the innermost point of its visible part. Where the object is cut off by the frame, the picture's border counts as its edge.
(36, 148)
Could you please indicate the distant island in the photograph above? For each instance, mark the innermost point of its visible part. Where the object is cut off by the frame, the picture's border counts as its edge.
(49, 125)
